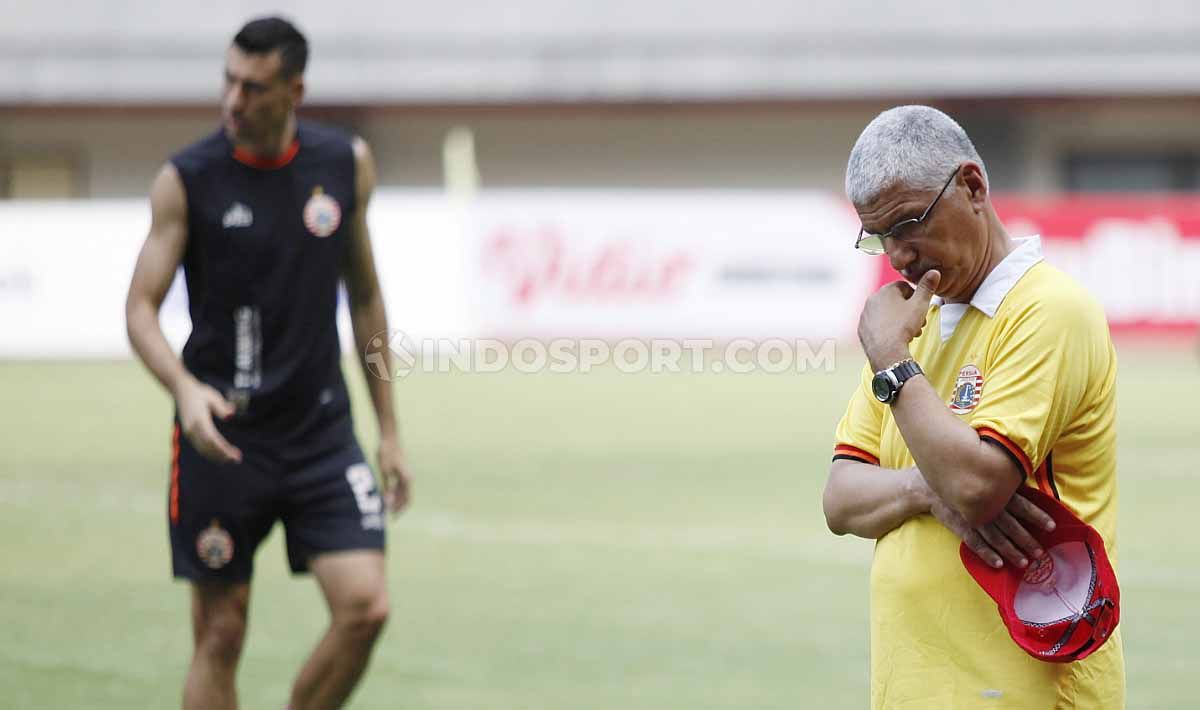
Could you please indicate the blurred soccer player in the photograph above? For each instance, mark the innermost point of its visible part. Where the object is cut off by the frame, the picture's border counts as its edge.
(1005, 381)
(267, 215)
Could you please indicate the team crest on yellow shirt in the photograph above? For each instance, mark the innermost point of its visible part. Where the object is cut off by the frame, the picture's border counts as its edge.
(967, 389)
(214, 546)
(322, 213)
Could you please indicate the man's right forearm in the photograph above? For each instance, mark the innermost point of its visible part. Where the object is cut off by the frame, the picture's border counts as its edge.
(148, 341)
(868, 501)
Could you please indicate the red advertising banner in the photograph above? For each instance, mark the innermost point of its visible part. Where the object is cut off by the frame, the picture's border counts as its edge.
(1139, 255)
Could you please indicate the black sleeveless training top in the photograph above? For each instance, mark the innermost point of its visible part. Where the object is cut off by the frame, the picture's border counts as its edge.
(266, 243)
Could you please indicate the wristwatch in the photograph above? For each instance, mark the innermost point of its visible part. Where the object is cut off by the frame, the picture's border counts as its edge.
(887, 382)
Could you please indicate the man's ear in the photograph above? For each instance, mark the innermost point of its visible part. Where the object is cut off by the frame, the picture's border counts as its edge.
(296, 89)
(975, 181)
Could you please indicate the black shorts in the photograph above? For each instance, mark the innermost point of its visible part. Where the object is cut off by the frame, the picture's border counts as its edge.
(219, 513)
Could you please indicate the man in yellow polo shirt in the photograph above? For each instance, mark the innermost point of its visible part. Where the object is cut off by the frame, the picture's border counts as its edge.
(995, 372)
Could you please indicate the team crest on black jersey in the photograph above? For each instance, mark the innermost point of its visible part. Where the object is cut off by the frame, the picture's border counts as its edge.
(967, 390)
(214, 545)
(322, 213)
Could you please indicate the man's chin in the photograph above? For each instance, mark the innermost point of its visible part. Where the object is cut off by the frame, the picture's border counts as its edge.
(238, 134)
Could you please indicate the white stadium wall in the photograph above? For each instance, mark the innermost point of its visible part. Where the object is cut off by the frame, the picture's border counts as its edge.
(65, 268)
(532, 263)
(712, 264)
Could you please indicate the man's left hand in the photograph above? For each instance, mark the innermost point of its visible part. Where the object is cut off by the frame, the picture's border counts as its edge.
(892, 317)
(394, 474)
(1007, 538)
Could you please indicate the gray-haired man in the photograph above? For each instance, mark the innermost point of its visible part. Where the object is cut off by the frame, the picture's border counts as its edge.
(1006, 379)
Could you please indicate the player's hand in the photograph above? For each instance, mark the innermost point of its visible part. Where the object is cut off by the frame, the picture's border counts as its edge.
(1005, 538)
(198, 403)
(892, 317)
(393, 472)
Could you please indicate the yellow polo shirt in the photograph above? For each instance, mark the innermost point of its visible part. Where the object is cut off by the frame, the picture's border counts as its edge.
(1029, 364)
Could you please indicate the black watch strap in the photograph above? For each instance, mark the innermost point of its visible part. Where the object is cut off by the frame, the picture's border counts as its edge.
(905, 370)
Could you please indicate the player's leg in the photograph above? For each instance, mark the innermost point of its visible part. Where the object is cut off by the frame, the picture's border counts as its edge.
(218, 630)
(218, 514)
(355, 587)
(334, 523)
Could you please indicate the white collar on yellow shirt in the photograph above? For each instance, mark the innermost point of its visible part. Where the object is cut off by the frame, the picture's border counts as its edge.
(995, 286)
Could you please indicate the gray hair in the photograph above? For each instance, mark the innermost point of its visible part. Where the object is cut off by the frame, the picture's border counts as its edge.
(914, 146)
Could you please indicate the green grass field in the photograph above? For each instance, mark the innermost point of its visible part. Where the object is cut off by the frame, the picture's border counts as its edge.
(577, 541)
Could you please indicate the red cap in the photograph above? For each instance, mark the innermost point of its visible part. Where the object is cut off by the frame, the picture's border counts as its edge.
(1064, 605)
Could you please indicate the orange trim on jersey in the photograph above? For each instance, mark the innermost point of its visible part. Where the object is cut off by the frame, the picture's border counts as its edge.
(266, 163)
(855, 452)
(1042, 477)
(175, 476)
(1007, 443)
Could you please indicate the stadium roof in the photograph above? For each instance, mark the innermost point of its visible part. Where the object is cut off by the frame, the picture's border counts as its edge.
(455, 51)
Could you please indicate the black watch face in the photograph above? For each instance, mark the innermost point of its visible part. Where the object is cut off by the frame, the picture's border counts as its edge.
(882, 387)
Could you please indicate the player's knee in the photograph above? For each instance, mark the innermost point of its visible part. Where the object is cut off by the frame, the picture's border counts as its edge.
(364, 618)
(220, 636)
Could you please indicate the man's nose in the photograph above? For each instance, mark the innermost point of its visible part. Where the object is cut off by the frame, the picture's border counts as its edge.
(901, 255)
(235, 97)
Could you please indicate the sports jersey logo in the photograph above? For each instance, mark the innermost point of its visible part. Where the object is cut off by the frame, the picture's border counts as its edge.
(214, 546)
(322, 213)
(238, 215)
(967, 389)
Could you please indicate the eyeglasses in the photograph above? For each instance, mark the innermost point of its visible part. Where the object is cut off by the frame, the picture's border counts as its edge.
(872, 244)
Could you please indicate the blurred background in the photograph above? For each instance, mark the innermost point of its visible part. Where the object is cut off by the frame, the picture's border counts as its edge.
(616, 170)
